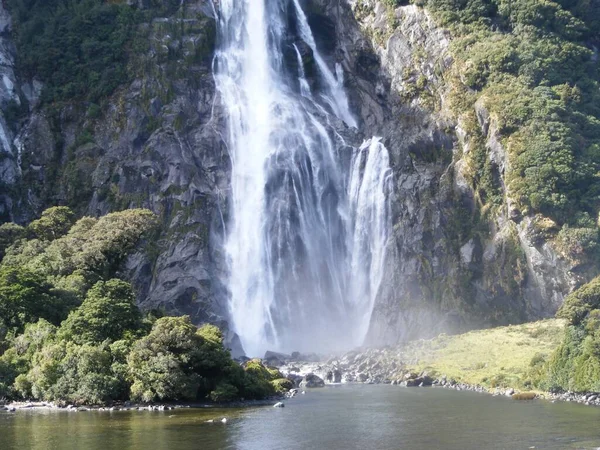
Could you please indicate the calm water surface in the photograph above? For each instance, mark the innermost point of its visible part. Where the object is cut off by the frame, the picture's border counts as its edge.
(340, 417)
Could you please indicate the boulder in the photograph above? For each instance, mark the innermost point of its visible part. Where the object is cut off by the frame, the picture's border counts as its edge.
(275, 355)
(424, 380)
(312, 381)
(334, 376)
(296, 379)
(275, 359)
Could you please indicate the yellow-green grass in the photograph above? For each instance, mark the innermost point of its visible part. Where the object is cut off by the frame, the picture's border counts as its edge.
(495, 357)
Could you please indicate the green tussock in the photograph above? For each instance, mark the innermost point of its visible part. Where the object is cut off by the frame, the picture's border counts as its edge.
(496, 357)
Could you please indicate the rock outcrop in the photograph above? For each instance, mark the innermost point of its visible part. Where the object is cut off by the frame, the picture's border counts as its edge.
(449, 270)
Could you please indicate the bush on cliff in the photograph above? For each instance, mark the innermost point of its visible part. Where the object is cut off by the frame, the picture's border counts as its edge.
(54, 223)
(531, 66)
(79, 48)
(578, 305)
(9, 233)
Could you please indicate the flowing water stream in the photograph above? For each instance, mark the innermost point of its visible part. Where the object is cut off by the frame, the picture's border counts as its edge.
(307, 233)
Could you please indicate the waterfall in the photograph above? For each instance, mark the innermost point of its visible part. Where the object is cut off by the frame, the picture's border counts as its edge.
(306, 239)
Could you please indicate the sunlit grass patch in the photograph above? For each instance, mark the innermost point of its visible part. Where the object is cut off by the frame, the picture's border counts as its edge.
(495, 357)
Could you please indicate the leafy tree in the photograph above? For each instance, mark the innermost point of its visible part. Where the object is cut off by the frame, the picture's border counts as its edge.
(80, 374)
(575, 365)
(580, 303)
(178, 362)
(92, 248)
(54, 223)
(26, 297)
(163, 364)
(9, 233)
(16, 361)
(224, 392)
(108, 312)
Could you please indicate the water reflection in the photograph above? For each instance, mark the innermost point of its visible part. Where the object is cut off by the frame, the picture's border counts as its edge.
(346, 417)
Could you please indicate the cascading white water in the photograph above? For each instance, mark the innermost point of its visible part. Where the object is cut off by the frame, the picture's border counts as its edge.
(306, 240)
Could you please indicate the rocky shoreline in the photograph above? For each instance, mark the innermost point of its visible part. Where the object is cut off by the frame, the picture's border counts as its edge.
(128, 406)
(306, 378)
(380, 366)
(370, 366)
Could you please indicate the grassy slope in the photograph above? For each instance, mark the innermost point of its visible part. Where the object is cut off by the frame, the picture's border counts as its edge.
(497, 357)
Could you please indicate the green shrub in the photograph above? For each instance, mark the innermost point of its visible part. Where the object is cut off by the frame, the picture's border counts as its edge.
(282, 385)
(258, 380)
(54, 223)
(579, 243)
(575, 365)
(9, 233)
(162, 365)
(80, 374)
(224, 392)
(26, 297)
(578, 304)
(108, 312)
(529, 64)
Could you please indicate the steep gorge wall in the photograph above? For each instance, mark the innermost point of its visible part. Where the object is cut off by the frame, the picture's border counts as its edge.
(451, 265)
(158, 143)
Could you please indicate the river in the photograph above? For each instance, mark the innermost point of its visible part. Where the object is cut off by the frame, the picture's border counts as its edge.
(335, 417)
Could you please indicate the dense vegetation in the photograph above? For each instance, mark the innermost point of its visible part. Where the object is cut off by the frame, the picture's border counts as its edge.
(70, 330)
(532, 65)
(79, 48)
(575, 365)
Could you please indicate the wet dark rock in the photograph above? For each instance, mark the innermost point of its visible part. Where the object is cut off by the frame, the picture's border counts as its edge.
(312, 381)
(275, 359)
(334, 376)
(296, 379)
(275, 355)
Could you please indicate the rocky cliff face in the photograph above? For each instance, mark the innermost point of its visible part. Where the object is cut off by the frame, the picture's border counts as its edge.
(157, 143)
(9, 89)
(450, 266)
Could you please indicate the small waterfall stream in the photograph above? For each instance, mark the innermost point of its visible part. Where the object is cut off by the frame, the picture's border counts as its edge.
(307, 237)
